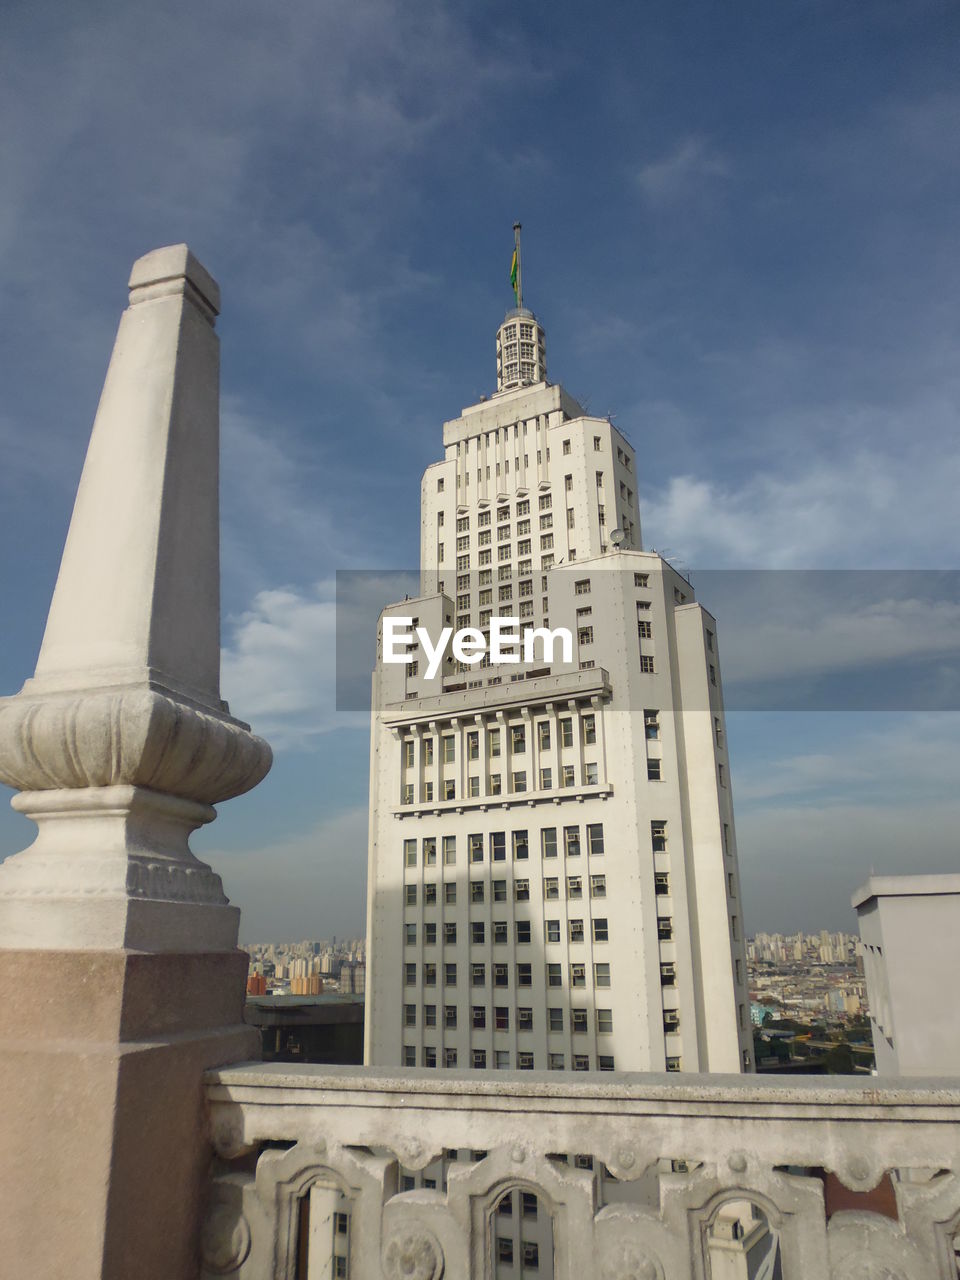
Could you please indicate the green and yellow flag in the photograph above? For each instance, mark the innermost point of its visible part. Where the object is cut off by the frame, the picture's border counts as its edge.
(513, 272)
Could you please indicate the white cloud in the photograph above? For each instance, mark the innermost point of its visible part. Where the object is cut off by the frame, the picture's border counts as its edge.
(678, 175)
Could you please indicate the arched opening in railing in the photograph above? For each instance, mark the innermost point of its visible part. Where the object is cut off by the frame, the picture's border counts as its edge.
(521, 1227)
(741, 1243)
(324, 1217)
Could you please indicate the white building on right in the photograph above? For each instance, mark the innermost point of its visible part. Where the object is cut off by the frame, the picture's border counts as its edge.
(910, 934)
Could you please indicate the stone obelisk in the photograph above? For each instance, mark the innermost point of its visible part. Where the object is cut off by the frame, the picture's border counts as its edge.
(119, 969)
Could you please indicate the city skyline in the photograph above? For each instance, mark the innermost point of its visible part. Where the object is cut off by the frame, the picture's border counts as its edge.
(754, 273)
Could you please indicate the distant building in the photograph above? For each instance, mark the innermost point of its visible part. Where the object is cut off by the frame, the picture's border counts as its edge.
(910, 932)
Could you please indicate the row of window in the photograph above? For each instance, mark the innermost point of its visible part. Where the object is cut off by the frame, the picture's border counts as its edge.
(495, 843)
(500, 1059)
(517, 739)
(524, 973)
(518, 783)
(551, 890)
(499, 1018)
(500, 929)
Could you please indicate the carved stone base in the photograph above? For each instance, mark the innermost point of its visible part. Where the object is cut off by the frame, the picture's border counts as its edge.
(104, 1132)
(112, 867)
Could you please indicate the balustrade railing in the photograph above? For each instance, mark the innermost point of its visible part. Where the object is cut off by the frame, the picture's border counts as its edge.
(323, 1172)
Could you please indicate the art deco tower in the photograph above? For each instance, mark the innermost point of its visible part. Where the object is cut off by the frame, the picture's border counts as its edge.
(552, 864)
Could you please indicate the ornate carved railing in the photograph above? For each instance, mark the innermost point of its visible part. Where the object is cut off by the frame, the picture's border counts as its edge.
(326, 1172)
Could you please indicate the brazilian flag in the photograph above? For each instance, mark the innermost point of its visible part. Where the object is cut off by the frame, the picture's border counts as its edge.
(513, 272)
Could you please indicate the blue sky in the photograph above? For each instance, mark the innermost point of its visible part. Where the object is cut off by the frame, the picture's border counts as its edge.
(741, 230)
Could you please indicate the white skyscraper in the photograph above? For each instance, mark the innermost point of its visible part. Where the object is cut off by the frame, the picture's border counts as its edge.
(553, 875)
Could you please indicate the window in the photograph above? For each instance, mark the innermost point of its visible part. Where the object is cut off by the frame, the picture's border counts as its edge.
(668, 975)
(408, 753)
(478, 1059)
(409, 1055)
(571, 841)
(644, 629)
(476, 890)
(524, 975)
(548, 842)
(475, 846)
(495, 784)
(651, 725)
(440, 485)
(710, 641)
(430, 935)
(661, 882)
(498, 846)
(410, 975)
(646, 664)
(449, 1060)
(406, 793)
(595, 838)
(578, 975)
(478, 975)
(523, 931)
(449, 789)
(428, 791)
(552, 930)
(476, 931)
(546, 779)
(717, 731)
(574, 887)
(554, 975)
(543, 734)
(501, 1018)
(409, 853)
(578, 1021)
(601, 975)
(658, 836)
(429, 975)
(410, 895)
(589, 724)
(504, 1249)
(450, 927)
(519, 780)
(450, 1015)
(590, 775)
(581, 1062)
(518, 739)
(449, 746)
(664, 928)
(604, 1022)
(473, 745)
(493, 741)
(671, 1019)
(521, 848)
(500, 931)
(501, 975)
(713, 675)
(653, 771)
(521, 890)
(722, 775)
(551, 888)
(409, 1015)
(582, 588)
(525, 1063)
(478, 1016)
(429, 851)
(566, 446)
(566, 731)
(555, 1019)
(600, 931)
(449, 852)
(673, 1064)
(598, 886)
(576, 930)
(567, 776)
(499, 890)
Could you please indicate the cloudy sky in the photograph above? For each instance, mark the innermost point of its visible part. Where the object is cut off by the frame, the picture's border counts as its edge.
(742, 233)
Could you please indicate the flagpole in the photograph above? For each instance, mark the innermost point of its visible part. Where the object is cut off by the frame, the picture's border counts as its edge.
(516, 241)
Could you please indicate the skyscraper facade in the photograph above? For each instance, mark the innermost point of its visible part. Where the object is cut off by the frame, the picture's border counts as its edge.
(552, 879)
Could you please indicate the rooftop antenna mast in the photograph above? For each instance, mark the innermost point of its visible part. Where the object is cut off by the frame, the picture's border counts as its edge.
(516, 274)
